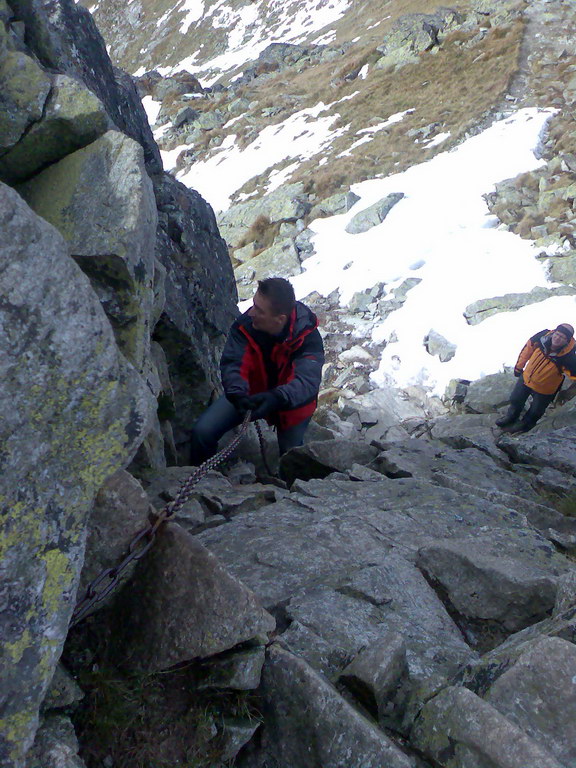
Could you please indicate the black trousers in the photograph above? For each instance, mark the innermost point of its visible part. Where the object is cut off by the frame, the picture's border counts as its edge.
(219, 418)
(518, 398)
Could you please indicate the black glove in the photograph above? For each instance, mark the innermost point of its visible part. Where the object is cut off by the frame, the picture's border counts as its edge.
(517, 372)
(263, 404)
(240, 402)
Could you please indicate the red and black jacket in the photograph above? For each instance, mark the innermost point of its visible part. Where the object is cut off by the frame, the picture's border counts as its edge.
(291, 366)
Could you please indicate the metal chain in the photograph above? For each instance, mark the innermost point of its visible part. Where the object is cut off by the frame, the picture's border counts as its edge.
(106, 581)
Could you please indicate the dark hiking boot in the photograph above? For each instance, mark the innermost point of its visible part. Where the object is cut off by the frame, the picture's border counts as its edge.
(506, 420)
(520, 428)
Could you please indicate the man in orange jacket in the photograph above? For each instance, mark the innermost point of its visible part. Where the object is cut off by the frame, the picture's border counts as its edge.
(540, 369)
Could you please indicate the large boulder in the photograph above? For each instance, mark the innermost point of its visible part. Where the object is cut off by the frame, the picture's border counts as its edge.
(64, 38)
(552, 449)
(488, 394)
(183, 604)
(494, 584)
(437, 345)
(319, 459)
(280, 259)
(308, 724)
(200, 298)
(74, 412)
(414, 33)
(538, 694)
(101, 200)
(457, 729)
(373, 215)
(287, 203)
(24, 88)
(72, 118)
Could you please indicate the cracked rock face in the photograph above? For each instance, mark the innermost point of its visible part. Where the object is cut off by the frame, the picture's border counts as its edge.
(76, 408)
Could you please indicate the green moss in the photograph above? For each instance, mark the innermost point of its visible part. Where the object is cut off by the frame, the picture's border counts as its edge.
(15, 650)
(22, 523)
(16, 728)
(59, 578)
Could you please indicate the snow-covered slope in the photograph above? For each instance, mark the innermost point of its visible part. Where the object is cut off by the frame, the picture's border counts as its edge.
(369, 99)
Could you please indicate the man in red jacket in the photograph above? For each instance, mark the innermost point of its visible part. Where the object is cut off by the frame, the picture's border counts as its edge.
(271, 365)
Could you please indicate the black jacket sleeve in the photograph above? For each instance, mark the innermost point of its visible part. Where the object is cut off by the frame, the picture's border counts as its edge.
(231, 363)
(308, 361)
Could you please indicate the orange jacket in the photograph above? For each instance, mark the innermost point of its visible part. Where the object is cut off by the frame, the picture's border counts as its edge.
(543, 369)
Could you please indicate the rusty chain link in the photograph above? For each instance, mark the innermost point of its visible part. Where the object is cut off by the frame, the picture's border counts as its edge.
(143, 540)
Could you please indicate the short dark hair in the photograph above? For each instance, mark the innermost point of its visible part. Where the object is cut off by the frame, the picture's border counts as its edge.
(279, 293)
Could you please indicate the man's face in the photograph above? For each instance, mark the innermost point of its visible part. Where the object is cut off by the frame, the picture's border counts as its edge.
(558, 340)
(263, 318)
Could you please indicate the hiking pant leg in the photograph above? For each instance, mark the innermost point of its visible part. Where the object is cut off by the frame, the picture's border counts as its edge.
(537, 407)
(292, 437)
(216, 420)
(518, 397)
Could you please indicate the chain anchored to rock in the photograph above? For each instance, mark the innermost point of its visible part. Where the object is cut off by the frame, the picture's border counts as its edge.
(106, 581)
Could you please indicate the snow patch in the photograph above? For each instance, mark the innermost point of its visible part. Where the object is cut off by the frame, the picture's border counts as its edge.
(442, 229)
(301, 136)
(194, 10)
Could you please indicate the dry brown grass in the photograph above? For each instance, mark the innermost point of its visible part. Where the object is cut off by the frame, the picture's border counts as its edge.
(262, 233)
(362, 15)
(455, 87)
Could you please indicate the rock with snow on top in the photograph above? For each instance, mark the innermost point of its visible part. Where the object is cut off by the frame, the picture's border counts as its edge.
(480, 310)
(355, 354)
(437, 345)
(374, 215)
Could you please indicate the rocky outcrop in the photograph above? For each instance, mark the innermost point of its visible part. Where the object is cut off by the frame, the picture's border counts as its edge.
(415, 33)
(480, 310)
(101, 199)
(56, 110)
(76, 408)
(200, 299)
(82, 385)
(72, 118)
(65, 39)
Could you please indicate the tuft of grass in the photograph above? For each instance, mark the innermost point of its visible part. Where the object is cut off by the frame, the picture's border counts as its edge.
(154, 721)
(567, 505)
(262, 233)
